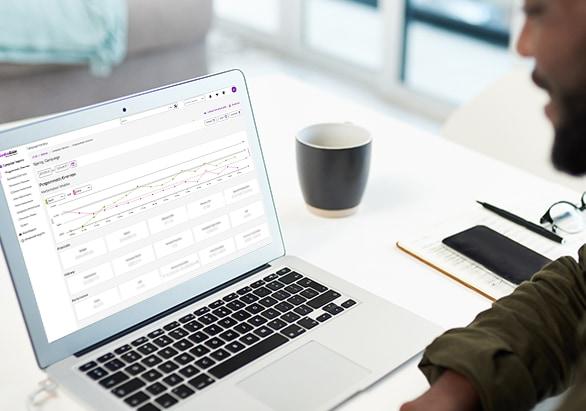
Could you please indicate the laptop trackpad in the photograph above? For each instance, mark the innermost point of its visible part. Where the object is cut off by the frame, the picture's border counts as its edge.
(306, 379)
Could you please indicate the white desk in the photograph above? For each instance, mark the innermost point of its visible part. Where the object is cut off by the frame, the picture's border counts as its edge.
(415, 178)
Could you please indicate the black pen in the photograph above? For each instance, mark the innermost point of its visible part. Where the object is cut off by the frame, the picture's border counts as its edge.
(524, 223)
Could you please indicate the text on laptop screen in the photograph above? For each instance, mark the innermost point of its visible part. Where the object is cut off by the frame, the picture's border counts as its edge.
(113, 214)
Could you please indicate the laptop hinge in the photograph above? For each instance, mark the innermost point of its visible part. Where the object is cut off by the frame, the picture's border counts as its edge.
(169, 311)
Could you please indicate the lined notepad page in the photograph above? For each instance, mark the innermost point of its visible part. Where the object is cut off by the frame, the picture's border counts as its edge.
(428, 248)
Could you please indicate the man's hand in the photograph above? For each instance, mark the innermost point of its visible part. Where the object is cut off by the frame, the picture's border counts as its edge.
(451, 392)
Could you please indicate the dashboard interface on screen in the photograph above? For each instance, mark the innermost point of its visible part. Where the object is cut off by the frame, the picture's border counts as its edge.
(110, 215)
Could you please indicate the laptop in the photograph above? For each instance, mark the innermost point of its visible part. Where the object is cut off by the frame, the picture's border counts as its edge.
(145, 250)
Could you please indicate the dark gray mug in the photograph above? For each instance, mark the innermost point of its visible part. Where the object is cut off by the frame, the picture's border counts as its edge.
(333, 161)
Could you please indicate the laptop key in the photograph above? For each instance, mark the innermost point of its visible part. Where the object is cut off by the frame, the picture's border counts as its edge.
(156, 388)
(296, 300)
(187, 318)
(155, 334)
(270, 313)
(178, 333)
(220, 355)
(205, 362)
(136, 399)
(243, 328)
(123, 349)
(182, 391)
(348, 303)
(257, 284)
(214, 343)
(183, 345)
(283, 271)
(333, 309)
(208, 319)
(270, 277)
(235, 347)
(230, 297)
(105, 357)
(171, 326)
(134, 369)
(216, 304)
(241, 315)
(151, 375)
(263, 331)
(88, 366)
(309, 293)
(323, 317)
(151, 360)
(277, 324)
(172, 380)
(183, 358)
(200, 350)
(213, 329)
(114, 379)
(222, 312)
(162, 341)
(166, 401)
(114, 365)
(201, 381)
(168, 367)
(268, 301)
(262, 292)
(149, 407)
(303, 310)
(202, 311)
(281, 295)
(131, 356)
(139, 341)
(249, 298)
(257, 320)
(254, 308)
(290, 278)
(97, 373)
(236, 305)
(275, 285)
(307, 323)
(147, 348)
(198, 337)
(293, 288)
(128, 387)
(167, 353)
(293, 331)
(249, 339)
(229, 335)
(193, 326)
(290, 317)
(323, 299)
(283, 306)
(227, 322)
(247, 356)
(188, 371)
(244, 290)
(306, 282)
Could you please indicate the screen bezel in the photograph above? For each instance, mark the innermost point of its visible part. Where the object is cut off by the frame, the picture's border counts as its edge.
(48, 353)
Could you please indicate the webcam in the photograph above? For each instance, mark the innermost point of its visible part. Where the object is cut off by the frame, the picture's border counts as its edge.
(124, 109)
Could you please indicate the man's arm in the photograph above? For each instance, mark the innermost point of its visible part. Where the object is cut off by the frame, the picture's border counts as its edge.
(523, 349)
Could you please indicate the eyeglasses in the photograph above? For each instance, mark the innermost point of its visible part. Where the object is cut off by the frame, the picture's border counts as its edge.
(565, 216)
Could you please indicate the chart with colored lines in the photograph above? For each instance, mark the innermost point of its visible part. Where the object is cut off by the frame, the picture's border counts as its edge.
(123, 194)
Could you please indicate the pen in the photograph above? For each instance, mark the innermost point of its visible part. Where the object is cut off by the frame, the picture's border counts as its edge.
(524, 223)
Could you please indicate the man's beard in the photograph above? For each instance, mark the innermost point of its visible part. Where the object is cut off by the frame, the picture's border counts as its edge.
(569, 146)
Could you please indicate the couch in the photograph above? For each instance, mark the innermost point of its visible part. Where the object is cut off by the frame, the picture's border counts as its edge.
(166, 44)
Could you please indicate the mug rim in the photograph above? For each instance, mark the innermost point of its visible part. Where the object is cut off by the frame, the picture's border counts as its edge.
(367, 141)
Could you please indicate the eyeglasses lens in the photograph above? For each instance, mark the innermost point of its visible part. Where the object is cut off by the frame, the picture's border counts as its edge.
(567, 217)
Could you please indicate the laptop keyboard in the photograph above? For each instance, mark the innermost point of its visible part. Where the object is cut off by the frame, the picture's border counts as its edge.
(171, 363)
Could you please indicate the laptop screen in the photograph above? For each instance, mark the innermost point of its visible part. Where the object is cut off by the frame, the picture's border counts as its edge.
(110, 215)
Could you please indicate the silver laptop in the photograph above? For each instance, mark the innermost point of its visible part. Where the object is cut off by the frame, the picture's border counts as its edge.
(144, 246)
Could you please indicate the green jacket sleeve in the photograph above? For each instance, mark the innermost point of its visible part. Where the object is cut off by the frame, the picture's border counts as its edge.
(524, 348)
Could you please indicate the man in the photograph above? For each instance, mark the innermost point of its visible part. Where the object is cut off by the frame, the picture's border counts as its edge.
(531, 344)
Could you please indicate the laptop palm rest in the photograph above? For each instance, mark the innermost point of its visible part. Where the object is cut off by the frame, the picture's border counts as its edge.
(306, 379)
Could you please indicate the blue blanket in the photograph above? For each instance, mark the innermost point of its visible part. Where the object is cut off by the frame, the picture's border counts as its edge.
(90, 32)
